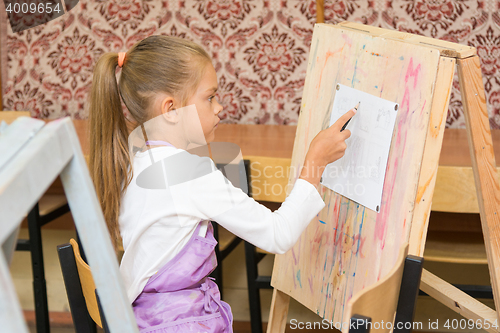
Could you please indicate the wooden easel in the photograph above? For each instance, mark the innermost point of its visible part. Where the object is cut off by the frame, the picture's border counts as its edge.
(32, 155)
(416, 213)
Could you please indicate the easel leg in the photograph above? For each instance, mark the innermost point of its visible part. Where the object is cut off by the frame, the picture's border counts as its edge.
(483, 162)
(11, 316)
(279, 312)
(458, 301)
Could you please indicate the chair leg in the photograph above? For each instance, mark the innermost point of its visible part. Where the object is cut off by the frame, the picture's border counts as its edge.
(39, 284)
(410, 284)
(253, 290)
(359, 324)
(217, 273)
(82, 321)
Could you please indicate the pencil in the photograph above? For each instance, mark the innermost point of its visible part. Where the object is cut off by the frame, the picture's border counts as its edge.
(347, 122)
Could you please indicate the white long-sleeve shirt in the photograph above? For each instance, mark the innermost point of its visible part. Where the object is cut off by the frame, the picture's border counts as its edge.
(155, 224)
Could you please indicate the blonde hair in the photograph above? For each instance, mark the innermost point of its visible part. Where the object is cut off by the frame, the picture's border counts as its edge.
(157, 64)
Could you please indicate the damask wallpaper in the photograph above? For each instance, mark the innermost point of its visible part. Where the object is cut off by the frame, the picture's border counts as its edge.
(259, 48)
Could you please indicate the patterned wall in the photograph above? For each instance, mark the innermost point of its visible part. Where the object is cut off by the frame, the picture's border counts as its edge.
(259, 48)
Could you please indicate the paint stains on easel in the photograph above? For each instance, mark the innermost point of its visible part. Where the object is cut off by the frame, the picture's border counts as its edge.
(354, 80)
(320, 87)
(357, 239)
(411, 79)
(298, 278)
(295, 261)
(410, 73)
(347, 247)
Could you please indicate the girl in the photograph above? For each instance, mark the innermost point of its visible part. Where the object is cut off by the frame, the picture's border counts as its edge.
(168, 86)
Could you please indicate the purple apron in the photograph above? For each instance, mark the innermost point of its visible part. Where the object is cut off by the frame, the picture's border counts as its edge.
(180, 297)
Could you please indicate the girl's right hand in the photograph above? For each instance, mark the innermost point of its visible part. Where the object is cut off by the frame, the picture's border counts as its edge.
(326, 147)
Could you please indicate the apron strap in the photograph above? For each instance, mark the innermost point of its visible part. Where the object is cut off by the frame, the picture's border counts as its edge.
(208, 287)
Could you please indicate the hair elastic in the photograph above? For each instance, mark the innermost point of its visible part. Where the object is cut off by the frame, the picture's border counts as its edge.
(121, 58)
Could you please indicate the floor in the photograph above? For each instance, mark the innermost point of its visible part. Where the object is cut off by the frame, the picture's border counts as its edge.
(235, 291)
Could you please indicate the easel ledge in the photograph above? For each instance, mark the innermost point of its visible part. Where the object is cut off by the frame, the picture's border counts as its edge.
(484, 169)
(446, 49)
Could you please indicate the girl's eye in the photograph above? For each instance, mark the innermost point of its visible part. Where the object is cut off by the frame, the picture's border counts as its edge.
(211, 98)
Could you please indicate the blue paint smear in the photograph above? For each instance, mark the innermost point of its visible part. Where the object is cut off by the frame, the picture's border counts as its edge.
(401, 58)
(322, 222)
(298, 278)
(376, 87)
(314, 56)
(354, 74)
(359, 231)
(364, 47)
(350, 260)
(344, 234)
(327, 293)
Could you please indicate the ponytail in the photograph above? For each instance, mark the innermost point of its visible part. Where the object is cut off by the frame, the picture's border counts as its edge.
(109, 157)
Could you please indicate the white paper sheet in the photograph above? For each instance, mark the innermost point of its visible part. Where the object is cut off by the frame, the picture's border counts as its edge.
(359, 175)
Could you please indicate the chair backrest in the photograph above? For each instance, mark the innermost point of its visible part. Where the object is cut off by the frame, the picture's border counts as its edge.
(80, 287)
(87, 283)
(380, 300)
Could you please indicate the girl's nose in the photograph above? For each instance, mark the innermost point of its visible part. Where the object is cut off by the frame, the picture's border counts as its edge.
(218, 107)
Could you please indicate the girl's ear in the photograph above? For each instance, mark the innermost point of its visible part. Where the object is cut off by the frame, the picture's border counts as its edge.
(168, 110)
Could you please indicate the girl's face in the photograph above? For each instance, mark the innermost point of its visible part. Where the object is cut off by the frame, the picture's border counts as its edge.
(206, 105)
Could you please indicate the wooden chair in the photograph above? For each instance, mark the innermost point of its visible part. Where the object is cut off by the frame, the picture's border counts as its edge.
(255, 282)
(226, 241)
(48, 208)
(82, 296)
(253, 255)
(390, 300)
